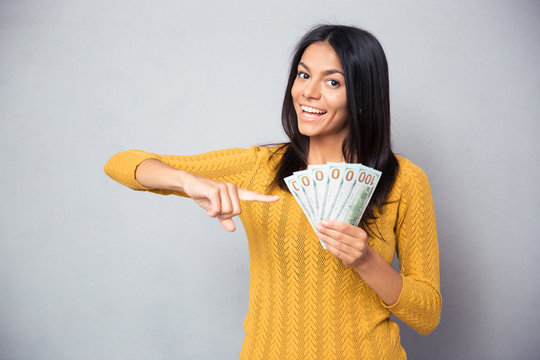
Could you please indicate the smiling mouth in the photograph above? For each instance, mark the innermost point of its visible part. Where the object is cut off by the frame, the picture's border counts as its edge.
(311, 114)
(312, 110)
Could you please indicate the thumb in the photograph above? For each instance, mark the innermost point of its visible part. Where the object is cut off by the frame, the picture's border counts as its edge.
(244, 194)
(228, 224)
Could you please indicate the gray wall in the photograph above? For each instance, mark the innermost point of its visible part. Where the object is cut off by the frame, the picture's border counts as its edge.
(93, 270)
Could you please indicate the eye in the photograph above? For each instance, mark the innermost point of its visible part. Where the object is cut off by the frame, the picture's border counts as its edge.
(302, 75)
(333, 83)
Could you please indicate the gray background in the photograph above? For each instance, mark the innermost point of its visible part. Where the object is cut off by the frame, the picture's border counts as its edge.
(93, 270)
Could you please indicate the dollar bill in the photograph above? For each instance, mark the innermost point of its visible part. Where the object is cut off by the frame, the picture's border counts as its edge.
(349, 174)
(335, 191)
(335, 183)
(319, 173)
(306, 185)
(296, 190)
(364, 187)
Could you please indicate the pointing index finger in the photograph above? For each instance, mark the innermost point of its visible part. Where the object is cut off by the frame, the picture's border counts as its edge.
(248, 195)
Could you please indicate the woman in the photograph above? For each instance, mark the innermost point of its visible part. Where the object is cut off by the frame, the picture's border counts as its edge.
(307, 302)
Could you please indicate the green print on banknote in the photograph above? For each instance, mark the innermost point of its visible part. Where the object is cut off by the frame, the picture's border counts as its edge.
(334, 191)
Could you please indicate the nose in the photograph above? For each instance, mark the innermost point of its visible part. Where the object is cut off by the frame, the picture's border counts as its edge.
(311, 90)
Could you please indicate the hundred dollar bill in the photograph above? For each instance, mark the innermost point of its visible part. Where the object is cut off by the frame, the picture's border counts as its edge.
(295, 189)
(336, 191)
(349, 174)
(305, 182)
(293, 185)
(364, 187)
(335, 183)
(346, 197)
(319, 174)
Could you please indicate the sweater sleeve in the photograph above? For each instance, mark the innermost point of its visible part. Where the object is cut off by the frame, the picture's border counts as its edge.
(230, 165)
(419, 303)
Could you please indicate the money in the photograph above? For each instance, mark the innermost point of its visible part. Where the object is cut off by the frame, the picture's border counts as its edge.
(319, 174)
(334, 191)
(305, 183)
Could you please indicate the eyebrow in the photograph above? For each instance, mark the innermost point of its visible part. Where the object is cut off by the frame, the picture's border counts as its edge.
(327, 72)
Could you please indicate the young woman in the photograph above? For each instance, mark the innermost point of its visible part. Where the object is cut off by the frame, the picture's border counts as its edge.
(307, 302)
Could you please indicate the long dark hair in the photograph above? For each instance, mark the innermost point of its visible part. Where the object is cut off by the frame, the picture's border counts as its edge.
(368, 140)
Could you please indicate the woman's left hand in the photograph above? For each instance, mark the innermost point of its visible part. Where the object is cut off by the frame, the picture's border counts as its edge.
(345, 241)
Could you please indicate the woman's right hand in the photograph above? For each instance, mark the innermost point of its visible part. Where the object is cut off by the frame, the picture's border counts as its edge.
(220, 199)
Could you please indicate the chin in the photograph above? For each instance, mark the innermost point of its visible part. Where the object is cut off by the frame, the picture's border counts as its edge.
(306, 132)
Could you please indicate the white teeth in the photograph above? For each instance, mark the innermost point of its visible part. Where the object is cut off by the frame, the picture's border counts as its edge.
(311, 110)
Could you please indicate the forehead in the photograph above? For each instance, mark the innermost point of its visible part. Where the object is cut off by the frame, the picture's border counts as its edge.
(321, 56)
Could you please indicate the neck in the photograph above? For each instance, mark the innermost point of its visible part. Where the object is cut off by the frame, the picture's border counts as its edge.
(323, 150)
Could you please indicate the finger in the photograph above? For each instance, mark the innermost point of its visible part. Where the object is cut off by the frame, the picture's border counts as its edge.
(333, 246)
(336, 236)
(335, 251)
(233, 193)
(346, 228)
(335, 243)
(228, 224)
(215, 203)
(255, 196)
(338, 249)
(345, 258)
(226, 206)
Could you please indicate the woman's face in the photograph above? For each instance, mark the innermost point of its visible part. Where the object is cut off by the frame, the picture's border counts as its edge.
(319, 95)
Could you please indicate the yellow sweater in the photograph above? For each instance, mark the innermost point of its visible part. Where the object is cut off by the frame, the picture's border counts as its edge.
(303, 302)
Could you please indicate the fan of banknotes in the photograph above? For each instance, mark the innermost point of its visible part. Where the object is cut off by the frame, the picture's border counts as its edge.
(334, 191)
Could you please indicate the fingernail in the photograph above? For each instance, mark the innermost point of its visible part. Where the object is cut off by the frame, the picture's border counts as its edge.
(325, 223)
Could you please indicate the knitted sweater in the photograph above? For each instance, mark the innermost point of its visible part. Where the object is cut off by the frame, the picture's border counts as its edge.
(304, 303)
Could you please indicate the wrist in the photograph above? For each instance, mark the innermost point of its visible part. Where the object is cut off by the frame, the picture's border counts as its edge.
(364, 265)
(180, 180)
